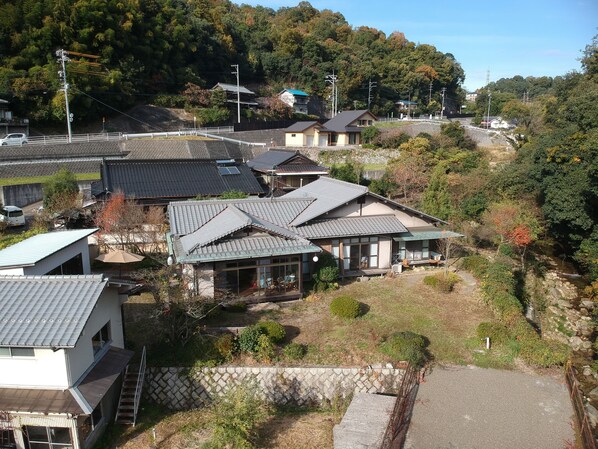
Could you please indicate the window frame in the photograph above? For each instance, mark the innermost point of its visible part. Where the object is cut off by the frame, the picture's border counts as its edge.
(103, 337)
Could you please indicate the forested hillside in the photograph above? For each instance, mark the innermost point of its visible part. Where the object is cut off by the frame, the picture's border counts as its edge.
(157, 46)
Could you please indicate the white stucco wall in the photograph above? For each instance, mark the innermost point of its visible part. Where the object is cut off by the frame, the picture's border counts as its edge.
(46, 370)
(384, 252)
(107, 309)
(294, 139)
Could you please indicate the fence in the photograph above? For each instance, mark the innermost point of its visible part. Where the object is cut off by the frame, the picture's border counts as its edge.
(585, 428)
(401, 415)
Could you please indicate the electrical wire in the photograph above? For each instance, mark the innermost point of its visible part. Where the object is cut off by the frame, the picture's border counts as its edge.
(114, 109)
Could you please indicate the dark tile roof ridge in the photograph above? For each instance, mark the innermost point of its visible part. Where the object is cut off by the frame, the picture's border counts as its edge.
(52, 277)
(190, 203)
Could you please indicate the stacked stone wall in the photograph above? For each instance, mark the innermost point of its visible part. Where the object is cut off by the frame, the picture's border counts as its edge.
(184, 388)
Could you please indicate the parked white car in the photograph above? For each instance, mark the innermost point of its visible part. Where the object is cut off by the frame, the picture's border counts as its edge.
(14, 139)
(12, 216)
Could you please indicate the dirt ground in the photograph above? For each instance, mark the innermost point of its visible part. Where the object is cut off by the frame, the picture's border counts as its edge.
(188, 430)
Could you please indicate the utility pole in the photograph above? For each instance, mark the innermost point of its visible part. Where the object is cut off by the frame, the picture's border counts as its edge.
(488, 114)
(371, 84)
(63, 58)
(332, 80)
(430, 95)
(236, 72)
(442, 109)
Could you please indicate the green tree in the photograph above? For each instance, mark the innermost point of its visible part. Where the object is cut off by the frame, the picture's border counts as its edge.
(436, 199)
(61, 192)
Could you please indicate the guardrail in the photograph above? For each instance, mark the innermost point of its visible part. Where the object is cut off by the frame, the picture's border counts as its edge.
(118, 136)
(585, 428)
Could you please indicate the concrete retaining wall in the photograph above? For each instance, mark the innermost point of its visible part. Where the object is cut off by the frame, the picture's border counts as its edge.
(184, 388)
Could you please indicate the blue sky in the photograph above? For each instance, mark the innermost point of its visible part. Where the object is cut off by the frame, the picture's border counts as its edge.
(507, 37)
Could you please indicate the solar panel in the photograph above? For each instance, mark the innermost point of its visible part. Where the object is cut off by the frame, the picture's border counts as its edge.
(228, 171)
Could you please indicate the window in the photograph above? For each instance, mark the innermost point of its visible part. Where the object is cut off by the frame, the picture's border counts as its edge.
(7, 439)
(100, 339)
(37, 437)
(16, 352)
(360, 253)
(293, 135)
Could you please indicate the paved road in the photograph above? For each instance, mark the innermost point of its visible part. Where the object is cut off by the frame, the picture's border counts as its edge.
(476, 408)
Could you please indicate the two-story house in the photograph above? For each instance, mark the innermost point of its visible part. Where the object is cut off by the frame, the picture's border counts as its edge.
(343, 129)
(62, 358)
(297, 99)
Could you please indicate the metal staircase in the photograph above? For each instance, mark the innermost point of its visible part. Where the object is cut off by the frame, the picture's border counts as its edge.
(130, 393)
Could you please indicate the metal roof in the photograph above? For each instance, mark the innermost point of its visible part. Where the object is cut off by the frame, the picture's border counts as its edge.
(301, 126)
(32, 250)
(352, 226)
(329, 193)
(285, 161)
(233, 88)
(301, 169)
(341, 121)
(173, 178)
(46, 311)
(427, 235)
(296, 92)
(35, 400)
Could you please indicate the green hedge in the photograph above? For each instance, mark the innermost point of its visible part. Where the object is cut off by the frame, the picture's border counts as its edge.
(273, 330)
(294, 351)
(498, 288)
(406, 346)
(345, 307)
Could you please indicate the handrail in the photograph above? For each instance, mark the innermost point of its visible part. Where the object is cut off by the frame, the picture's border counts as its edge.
(139, 386)
(585, 428)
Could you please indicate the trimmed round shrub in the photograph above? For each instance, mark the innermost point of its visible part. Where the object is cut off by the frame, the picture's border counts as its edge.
(226, 345)
(273, 330)
(406, 346)
(476, 264)
(249, 338)
(345, 307)
(294, 351)
(442, 282)
(498, 332)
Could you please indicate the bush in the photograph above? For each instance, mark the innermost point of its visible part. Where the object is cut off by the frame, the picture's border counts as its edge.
(543, 353)
(294, 351)
(235, 419)
(476, 264)
(226, 345)
(345, 307)
(442, 282)
(265, 348)
(406, 346)
(498, 333)
(169, 101)
(326, 272)
(273, 330)
(249, 338)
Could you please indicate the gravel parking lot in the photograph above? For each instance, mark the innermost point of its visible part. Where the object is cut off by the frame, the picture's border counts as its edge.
(475, 408)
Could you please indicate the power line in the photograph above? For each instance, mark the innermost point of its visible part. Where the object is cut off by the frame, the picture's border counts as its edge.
(371, 84)
(332, 79)
(120, 112)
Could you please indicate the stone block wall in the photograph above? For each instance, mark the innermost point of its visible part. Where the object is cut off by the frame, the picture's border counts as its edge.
(184, 388)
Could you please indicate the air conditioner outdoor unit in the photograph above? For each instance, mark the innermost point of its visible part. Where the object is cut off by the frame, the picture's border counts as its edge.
(397, 268)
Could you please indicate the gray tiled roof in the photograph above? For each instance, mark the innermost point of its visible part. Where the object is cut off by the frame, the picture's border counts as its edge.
(46, 311)
(285, 161)
(70, 150)
(188, 216)
(48, 168)
(340, 122)
(350, 226)
(30, 251)
(330, 193)
(233, 88)
(245, 248)
(270, 159)
(302, 169)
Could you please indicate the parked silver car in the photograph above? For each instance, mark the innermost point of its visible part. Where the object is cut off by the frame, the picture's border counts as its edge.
(14, 139)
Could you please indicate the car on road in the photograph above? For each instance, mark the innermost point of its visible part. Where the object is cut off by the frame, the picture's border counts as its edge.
(14, 139)
(12, 216)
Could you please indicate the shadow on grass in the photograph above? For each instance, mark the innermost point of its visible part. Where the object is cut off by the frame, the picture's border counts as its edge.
(116, 435)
